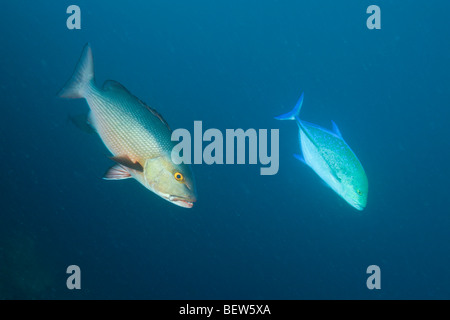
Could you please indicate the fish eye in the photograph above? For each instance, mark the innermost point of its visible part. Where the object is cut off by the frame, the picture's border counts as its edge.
(359, 192)
(178, 176)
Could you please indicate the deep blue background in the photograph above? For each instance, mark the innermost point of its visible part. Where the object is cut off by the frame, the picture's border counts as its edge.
(231, 64)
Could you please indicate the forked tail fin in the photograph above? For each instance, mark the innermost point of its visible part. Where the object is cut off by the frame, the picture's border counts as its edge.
(293, 114)
(81, 78)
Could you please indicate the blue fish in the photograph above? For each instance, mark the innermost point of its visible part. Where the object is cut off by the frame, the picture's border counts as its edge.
(331, 158)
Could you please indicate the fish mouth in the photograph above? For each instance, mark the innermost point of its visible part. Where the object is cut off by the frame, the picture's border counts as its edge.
(358, 207)
(180, 201)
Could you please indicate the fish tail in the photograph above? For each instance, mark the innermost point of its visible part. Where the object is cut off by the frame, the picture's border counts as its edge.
(294, 113)
(81, 78)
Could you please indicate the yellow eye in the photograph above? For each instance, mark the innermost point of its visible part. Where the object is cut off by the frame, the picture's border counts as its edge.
(178, 176)
(359, 192)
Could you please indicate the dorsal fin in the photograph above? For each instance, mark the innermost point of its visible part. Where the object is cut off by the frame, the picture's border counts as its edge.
(114, 85)
(336, 130)
(156, 113)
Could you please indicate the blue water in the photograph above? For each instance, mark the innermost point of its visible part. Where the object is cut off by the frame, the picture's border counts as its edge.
(230, 64)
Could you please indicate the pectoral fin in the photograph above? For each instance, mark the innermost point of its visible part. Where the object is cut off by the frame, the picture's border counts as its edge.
(127, 162)
(117, 172)
(335, 175)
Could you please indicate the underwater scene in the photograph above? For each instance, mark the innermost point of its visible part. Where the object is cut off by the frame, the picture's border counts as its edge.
(213, 150)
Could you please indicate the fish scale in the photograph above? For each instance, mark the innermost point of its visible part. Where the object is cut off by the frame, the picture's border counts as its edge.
(132, 122)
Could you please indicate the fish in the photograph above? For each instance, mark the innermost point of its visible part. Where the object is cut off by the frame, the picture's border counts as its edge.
(330, 157)
(137, 136)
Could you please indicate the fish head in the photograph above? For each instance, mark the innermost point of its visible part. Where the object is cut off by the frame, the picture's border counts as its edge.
(355, 190)
(173, 182)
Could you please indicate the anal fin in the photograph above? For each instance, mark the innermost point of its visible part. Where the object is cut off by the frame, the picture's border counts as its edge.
(82, 122)
(300, 158)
